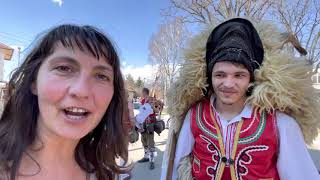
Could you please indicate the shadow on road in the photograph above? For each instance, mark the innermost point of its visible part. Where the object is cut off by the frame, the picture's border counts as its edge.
(142, 171)
(161, 143)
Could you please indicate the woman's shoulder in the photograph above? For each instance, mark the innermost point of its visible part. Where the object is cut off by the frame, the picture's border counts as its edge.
(4, 174)
(91, 176)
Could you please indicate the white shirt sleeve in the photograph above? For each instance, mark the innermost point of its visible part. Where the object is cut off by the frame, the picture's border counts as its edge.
(184, 145)
(294, 161)
(144, 112)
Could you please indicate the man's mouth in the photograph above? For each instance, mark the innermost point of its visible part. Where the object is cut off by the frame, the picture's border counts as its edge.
(228, 92)
(76, 113)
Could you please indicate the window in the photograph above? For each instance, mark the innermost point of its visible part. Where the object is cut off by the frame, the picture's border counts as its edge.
(316, 78)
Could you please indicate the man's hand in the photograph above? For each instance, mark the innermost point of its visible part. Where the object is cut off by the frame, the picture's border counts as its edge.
(141, 130)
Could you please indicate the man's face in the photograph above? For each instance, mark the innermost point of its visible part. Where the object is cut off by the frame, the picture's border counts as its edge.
(230, 82)
(144, 94)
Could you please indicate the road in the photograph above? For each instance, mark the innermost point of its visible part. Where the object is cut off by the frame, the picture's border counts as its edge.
(141, 170)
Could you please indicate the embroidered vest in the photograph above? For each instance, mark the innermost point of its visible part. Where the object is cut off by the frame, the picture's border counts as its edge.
(254, 151)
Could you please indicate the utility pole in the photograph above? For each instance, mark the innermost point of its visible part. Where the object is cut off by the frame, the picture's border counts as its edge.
(19, 51)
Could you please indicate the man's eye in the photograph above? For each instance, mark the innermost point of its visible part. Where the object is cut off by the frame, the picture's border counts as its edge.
(240, 75)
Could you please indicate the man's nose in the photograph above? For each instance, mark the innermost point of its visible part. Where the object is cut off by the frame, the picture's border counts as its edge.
(229, 82)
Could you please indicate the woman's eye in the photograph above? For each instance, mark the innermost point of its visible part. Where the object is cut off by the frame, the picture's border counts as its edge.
(102, 77)
(64, 69)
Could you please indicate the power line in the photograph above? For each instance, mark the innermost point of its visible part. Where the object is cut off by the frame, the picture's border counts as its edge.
(12, 38)
(25, 49)
(15, 36)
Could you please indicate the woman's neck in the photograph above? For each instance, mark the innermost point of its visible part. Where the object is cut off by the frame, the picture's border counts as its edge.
(53, 154)
(54, 149)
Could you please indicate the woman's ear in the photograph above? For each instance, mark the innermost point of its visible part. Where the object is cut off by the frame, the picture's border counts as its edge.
(34, 88)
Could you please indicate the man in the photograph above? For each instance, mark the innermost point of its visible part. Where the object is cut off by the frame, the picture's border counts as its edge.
(146, 119)
(231, 133)
(145, 95)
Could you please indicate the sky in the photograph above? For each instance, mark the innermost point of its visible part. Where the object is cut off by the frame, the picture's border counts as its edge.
(129, 23)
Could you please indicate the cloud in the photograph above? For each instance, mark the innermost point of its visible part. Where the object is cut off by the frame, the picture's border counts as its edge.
(146, 72)
(59, 2)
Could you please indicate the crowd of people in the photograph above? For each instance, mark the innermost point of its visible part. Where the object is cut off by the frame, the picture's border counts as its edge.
(234, 115)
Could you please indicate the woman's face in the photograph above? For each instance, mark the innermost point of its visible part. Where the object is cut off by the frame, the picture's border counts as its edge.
(74, 90)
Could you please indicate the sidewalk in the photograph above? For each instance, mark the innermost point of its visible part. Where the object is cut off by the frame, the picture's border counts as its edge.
(314, 150)
(141, 170)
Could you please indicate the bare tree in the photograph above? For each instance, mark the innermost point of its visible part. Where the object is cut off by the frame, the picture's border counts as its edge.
(129, 81)
(164, 50)
(213, 11)
(302, 19)
(132, 85)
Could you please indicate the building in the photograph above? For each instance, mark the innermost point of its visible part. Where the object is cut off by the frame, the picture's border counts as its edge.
(6, 53)
(316, 81)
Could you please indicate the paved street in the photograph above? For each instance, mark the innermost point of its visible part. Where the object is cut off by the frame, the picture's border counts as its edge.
(314, 150)
(141, 170)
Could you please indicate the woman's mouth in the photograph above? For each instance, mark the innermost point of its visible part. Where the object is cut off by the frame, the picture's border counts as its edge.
(75, 113)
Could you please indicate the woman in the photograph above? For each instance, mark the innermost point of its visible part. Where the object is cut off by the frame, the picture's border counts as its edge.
(65, 110)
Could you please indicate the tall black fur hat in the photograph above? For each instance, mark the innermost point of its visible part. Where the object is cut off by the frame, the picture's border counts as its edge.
(235, 40)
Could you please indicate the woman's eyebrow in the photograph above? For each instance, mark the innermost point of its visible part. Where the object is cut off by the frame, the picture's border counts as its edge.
(64, 58)
(104, 68)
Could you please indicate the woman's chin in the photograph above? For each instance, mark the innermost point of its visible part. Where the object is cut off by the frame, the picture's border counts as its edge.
(73, 134)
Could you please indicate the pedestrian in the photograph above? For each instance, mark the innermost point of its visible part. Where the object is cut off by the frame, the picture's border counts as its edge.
(145, 123)
(144, 95)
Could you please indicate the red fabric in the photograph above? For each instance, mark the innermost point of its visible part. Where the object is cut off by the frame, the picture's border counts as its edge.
(151, 119)
(255, 158)
(143, 100)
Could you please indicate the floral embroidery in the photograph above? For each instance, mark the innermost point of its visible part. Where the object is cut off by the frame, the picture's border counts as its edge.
(244, 158)
(216, 157)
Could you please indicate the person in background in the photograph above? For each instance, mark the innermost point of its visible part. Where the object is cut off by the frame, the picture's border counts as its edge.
(144, 94)
(145, 123)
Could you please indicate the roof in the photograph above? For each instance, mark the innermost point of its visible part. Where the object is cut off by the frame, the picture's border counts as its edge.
(130, 88)
(7, 51)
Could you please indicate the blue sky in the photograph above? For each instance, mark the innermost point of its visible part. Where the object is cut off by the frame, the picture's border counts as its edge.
(130, 23)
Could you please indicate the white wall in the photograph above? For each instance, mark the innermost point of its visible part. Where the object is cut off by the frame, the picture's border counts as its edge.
(1, 66)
